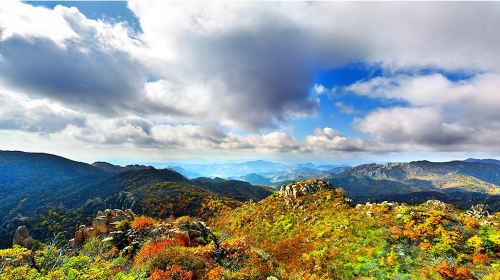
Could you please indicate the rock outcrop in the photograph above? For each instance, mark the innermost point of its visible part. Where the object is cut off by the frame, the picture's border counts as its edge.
(478, 211)
(104, 225)
(437, 205)
(305, 187)
(22, 237)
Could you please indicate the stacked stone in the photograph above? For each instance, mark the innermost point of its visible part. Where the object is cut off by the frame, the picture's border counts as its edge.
(104, 225)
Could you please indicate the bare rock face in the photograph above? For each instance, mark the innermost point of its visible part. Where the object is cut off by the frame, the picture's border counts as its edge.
(478, 211)
(196, 232)
(305, 187)
(99, 224)
(437, 205)
(104, 224)
(22, 237)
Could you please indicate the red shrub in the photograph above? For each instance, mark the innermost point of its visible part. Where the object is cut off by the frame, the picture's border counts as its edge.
(463, 273)
(445, 270)
(154, 248)
(174, 272)
(480, 259)
(141, 223)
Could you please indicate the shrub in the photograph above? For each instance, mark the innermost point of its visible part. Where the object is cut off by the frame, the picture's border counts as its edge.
(445, 270)
(96, 248)
(151, 250)
(143, 223)
(174, 272)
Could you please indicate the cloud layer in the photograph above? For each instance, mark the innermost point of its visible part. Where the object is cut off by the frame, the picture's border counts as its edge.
(232, 76)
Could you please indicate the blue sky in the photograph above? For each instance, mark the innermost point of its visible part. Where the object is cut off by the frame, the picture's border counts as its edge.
(321, 82)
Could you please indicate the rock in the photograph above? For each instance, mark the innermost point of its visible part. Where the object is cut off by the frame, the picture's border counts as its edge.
(437, 205)
(22, 237)
(302, 188)
(90, 233)
(478, 211)
(399, 216)
(108, 239)
(78, 237)
(71, 243)
(271, 278)
(130, 213)
(99, 224)
(369, 214)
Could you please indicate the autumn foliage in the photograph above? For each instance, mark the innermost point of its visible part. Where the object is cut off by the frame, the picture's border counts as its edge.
(151, 249)
(142, 223)
(174, 272)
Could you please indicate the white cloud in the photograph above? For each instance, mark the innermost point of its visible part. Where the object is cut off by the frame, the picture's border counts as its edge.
(441, 114)
(227, 67)
(329, 140)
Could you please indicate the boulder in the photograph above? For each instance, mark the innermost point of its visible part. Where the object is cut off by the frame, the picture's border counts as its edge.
(22, 237)
(78, 237)
(89, 233)
(478, 211)
(302, 188)
(437, 205)
(130, 213)
(100, 225)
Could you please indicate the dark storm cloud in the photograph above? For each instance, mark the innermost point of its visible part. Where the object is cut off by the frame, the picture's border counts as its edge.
(102, 81)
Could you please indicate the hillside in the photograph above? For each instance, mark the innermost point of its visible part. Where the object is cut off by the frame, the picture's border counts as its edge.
(53, 194)
(309, 230)
(238, 190)
(318, 234)
(105, 166)
(458, 182)
(27, 178)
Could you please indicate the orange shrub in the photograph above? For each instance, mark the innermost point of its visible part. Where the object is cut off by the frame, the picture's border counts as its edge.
(424, 246)
(463, 273)
(396, 232)
(480, 259)
(471, 222)
(174, 272)
(151, 249)
(445, 270)
(216, 273)
(141, 223)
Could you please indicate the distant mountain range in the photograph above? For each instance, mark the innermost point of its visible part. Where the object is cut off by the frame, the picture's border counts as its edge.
(459, 182)
(51, 193)
(493, 161)
(259, 172)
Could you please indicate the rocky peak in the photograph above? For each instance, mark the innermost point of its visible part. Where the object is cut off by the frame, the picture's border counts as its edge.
(301, 188)
(437, 205)
(22, 237)
(478, 211)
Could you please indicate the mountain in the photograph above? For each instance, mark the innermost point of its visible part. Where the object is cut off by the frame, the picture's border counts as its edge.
(186, 173)
(256, 179)
(238, 190)
(461, 183)
(50, 193)
(312, 232)
(259, 171)
(105, 166)
(308, 230)
(492, 161)
(29, 177)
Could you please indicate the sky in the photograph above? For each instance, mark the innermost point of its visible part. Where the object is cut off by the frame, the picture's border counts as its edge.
(327, 82)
